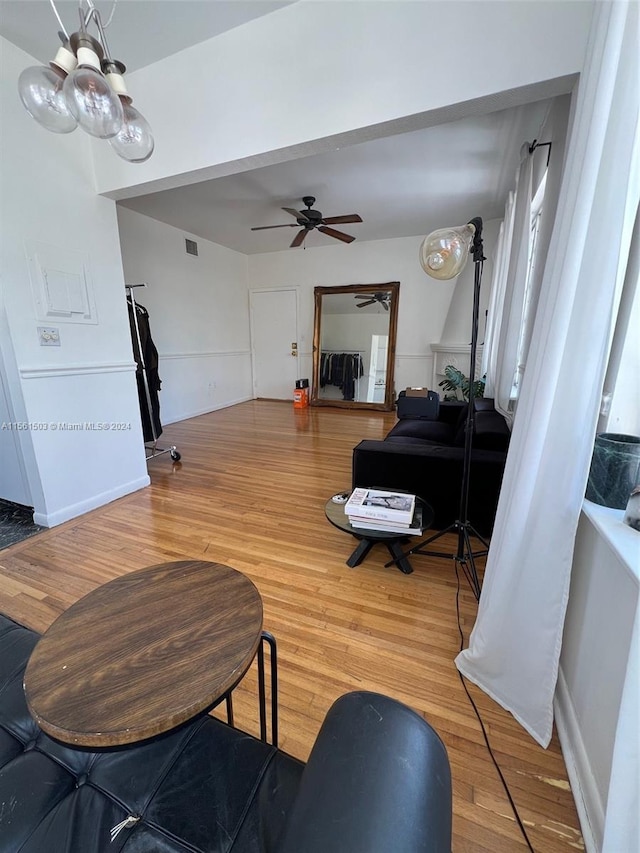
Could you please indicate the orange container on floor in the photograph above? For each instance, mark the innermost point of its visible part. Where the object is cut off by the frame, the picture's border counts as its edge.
(300, 398)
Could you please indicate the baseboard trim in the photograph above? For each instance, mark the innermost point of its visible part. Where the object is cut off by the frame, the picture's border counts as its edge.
(589, 805)
(185, 416)
(73, 510)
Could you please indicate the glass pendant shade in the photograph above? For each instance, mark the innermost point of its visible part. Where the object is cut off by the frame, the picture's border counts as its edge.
(41, 92)
(93, 102)
(444, 253)
(134, 141)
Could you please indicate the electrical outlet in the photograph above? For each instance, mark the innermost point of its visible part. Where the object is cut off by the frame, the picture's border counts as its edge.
(49, 337)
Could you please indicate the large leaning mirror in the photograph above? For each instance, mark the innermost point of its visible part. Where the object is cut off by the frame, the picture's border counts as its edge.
(354, 344)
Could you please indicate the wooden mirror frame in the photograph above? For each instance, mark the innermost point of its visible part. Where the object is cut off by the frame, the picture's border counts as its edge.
(392, 287)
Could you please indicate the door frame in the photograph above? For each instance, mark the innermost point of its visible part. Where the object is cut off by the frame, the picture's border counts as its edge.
(252, 290)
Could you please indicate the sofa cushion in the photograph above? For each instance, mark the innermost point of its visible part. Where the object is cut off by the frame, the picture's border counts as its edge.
(484, 404)
(490, 431)
(433, 432)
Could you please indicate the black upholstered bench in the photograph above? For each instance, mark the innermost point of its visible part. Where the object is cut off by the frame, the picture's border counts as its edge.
(377, 780)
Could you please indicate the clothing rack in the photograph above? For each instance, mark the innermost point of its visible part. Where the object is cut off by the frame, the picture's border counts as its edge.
(357, 352)
(154, 450)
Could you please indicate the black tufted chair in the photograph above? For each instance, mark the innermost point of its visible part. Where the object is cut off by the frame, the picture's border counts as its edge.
(377, 780)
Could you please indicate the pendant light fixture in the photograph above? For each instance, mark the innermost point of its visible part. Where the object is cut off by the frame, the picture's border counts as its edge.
(84, 86)
(92, 101)
(134, 140)
(41, 91)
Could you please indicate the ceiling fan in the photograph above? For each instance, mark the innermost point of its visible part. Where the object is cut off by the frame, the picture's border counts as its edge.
(382, 298)
(309, 219)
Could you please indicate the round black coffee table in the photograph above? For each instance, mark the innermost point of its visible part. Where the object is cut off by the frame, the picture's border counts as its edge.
(368, 538)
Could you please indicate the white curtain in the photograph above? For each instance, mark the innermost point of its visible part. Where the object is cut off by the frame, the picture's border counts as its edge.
(514, 648)
(504, 356)
(496, 299)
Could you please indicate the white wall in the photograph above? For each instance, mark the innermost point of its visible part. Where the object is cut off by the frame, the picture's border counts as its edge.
(47, 197)
(199, 306)
(422, 307)
(199, 315)
(242, 102)
(595, 649)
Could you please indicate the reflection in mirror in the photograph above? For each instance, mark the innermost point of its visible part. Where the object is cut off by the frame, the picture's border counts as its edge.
(354, 345)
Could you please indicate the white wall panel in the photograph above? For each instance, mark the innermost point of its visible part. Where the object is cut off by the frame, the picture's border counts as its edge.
(48, 197)
(198, 311)
(595, 649)
(84, 436)
(206, 382)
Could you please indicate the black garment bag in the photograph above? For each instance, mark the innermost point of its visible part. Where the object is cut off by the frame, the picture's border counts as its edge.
(146, 362)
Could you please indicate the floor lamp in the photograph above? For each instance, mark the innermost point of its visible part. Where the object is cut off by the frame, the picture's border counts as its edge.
(443, 255)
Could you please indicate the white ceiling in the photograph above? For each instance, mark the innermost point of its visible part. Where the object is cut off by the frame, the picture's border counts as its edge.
(141, 31)
(403, 185)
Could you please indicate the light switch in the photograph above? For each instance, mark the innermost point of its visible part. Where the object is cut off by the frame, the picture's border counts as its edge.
(49, 337)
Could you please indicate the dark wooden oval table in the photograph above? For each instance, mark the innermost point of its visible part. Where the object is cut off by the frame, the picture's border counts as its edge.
(368, 538)
(144, 653)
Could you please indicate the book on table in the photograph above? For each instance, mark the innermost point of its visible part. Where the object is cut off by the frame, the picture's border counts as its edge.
(413, 529)
(381, 505)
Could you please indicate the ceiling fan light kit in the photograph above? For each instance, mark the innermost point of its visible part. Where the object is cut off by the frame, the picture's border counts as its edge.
(309, 219)
(83, 86)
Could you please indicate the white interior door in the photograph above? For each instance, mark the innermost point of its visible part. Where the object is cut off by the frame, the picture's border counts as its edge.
(274, 336)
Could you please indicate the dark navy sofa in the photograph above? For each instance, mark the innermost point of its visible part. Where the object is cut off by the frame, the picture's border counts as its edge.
(424, 456)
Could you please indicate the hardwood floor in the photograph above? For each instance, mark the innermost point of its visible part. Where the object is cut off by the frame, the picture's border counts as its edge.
(250, 492)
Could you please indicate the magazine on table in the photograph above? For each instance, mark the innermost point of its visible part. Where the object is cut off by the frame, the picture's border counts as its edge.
(378, 504)
(413, 529)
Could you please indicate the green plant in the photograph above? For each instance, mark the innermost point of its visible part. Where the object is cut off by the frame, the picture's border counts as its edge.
(457, 382)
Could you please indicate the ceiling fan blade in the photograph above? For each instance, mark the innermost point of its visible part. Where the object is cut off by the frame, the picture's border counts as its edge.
(339, 235)
(342, 220)
(299, 214)
(363, 304)
(265, 227)
(385, 306)
(298, 240)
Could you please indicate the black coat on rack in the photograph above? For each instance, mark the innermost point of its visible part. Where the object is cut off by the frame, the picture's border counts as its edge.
(150, 357)
(342, 369)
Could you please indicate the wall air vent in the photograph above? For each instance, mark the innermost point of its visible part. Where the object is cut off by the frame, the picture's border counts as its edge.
(192, 247)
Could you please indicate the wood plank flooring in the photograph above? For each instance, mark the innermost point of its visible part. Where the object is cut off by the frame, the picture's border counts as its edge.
(250, 492)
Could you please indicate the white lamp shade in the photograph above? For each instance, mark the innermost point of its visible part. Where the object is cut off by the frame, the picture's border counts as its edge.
(444, 253)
